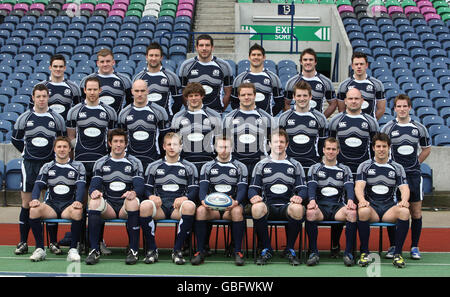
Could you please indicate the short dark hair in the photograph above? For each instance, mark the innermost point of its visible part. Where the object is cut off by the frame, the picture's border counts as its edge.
(62, 138)
(359, 55)
(402, 97)
(40, 87)
(193, 88)
(308, 51)
(204, 37)
(154, 45)
(92, 78)
(117, 132)
(381, 137)
(280, 132)
(257, 47)
(57, 57)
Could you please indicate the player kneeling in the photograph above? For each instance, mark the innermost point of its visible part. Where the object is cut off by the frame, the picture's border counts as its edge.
(65, 181)
(329, 184)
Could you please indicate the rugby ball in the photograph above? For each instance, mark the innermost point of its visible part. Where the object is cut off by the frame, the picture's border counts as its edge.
(218, 201)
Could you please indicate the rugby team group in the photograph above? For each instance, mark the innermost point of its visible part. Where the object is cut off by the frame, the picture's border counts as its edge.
(154, 146)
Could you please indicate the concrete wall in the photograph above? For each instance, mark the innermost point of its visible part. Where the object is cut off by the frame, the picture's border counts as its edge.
(305, 15)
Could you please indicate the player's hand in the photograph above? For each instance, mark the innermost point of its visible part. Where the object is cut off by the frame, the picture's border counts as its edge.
(296, 199)
(178, 201)
(77, 205)
(34, 203)
(156, 199)
(256, 199)
(129, 195)
(234, 203)
(363, 203)
(351, 205)
(96, 194)
(403, 204)
(312, 205)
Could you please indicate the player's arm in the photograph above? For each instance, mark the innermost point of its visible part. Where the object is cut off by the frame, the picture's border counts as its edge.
(18, 134)
(424, 154)
(226, 97)
(254, 191)
(332, 105)
(380, 108)
(404, 194)
(360, 185)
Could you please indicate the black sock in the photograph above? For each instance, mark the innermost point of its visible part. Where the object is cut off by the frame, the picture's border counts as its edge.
(36, 227)
(293, 228)
(336, 231)
(133, 229)
(312, 231)
(364, 234)
(52, 229)
(416, 229)
(184, 227)
(391, 235)
(24, 225)
(75, 231)
(238, 234)
(148, 229)
(201, 230)
(400, 235)
(350, 236)
(262, 232)
(94, 227)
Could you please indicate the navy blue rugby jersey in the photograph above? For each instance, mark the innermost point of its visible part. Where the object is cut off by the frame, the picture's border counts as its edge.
(307, 132)
(92, 124)
(144, 126)
(171, 180)
(278, 180)
(405, 142)
(34, 133)
(213, 76)
(330, 184)
(372, 91)
(197, 130)
(250, 131)
(65, 182)
(382, 180)
(321, 89)
(229, 177)
(114, 177)
(354, 134)
(164, 89)
(269, 91)
(116, 89)
(62, 96)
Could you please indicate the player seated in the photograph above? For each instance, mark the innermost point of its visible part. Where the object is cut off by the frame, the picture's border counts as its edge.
(116, 186)
(276, 192)
(171, 187)
(331, 198)
(65, 181)
(228, 176)
(376, 183)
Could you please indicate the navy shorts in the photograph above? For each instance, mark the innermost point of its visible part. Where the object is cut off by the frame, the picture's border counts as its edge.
(329, 210)
(58, 206)
(277, 212)
(382, 206)
(30, 171)
(415, 182)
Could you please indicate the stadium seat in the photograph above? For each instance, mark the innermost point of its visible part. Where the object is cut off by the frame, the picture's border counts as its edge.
(13, 175)
(441, 103)
(442, 139)
(432, 120)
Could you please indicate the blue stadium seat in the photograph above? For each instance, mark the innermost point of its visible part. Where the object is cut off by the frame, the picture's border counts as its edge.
(445, 113)
(442, 139)
(438, 129)
(421, 102)
(432, 120)
(13, 175)
(422, 112)
(417, 94)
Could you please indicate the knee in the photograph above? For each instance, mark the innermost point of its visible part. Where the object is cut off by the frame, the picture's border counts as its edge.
(146, 208)
(35, 212)
(237, 213)
(295, 211)
(259, 210)
(364, 213)
(187, 208)
(201, 213)
(311, 214)
(403, 213)
(351, 216)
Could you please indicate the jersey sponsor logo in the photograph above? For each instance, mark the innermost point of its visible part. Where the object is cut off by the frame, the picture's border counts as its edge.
(67, 92)
(232, 172)
(339, 175)
(182, 172)
(39, 141)
(222, 188)
(247, 138)
(365, 104)
(71, 174)
(141, 135)
(301, 139)
(278, 189)
(208, 89)
(160, 172)
(127, 169)
(321, 174)
(329, 191)
(107, 100)
(61, 189)
(371, 172)
(106, 169)
(268, 170)
(395, 133)
(405, 150)
(30, 123)
(51, 124)
(380, 189)
(117, 186)
(51, 173)
(342, 124)
(116, 84)
(259, 97)
(353, 142)
(195, 137)
(216, 72)
(154, 97)
(170, 187)
(291, 122)
(58, 108)
(92, 132)
(391, 174)
(194, 72)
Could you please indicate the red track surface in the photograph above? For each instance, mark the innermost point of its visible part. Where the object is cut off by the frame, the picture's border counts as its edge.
(431, 240)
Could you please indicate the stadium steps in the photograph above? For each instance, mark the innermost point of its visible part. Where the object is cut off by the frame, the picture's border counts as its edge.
(217, 16)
